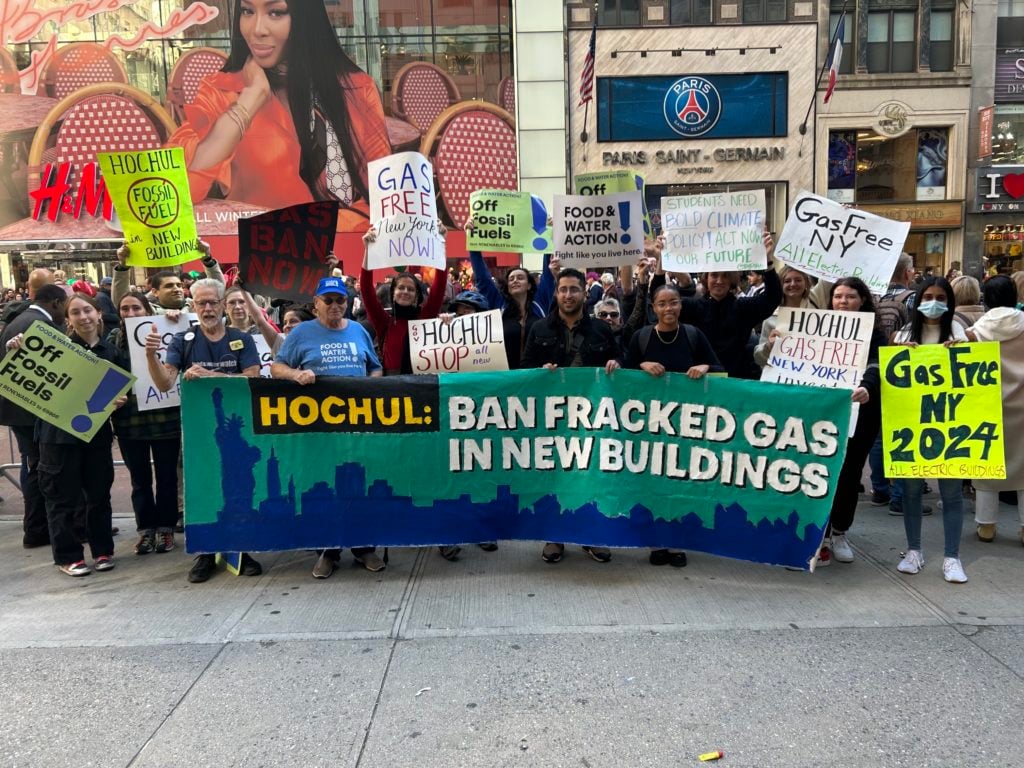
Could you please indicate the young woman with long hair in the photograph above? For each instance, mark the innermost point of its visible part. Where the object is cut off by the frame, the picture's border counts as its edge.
(289, 119)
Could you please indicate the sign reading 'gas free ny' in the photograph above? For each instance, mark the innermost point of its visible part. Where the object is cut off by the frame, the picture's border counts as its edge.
(403, 208)
(61, 382)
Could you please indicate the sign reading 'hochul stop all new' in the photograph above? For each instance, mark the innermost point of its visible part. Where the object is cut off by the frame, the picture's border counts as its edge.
(61, 382)
(151, 196)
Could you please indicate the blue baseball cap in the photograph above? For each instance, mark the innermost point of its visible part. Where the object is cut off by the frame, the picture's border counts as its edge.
(331, 285)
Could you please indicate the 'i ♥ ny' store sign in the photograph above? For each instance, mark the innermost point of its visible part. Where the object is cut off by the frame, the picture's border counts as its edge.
(1000, 189)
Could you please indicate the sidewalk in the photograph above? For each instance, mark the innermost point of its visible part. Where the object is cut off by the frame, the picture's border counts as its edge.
(502, 660)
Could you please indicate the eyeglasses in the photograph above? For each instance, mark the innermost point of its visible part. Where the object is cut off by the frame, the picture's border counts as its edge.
(607, 315)
(328, 300)
(207, 303)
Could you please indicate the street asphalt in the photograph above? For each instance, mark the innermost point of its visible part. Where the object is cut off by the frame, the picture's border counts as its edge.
(499, 659)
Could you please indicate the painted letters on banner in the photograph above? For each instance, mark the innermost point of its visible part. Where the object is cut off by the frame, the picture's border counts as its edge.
(828, 241)
(598, 231)
(403, 208)
(942, 411)
(282, 253)
(735, 468)
(148, 397)
(516, 222)
(716, 232)
(150, 193)
(474, 342)
(61, 382)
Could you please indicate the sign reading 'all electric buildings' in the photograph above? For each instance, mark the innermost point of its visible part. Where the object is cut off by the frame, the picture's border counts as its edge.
(665, 108)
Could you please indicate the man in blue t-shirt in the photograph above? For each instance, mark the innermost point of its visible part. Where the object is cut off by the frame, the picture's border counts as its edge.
(331, 345)
(209, 349)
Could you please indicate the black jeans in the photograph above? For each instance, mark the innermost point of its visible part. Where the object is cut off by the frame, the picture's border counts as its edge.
(844, 504)
(68, 476)
(157, 509)
(34, 524)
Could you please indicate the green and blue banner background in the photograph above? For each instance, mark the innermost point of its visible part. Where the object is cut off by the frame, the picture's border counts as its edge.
(735, 468)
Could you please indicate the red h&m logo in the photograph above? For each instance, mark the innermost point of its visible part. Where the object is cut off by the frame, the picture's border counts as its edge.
(55, 189)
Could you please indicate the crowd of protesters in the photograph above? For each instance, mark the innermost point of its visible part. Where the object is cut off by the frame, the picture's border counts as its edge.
(639, 317)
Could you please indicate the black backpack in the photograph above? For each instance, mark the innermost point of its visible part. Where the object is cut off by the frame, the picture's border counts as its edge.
(645, 333)
(892, 314)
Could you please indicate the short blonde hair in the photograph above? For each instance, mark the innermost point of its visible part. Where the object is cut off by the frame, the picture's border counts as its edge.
(966, 291)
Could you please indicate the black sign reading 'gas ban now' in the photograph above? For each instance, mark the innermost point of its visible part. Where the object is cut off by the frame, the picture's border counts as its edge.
(343, 404)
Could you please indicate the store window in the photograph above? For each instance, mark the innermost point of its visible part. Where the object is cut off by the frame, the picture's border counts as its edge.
(892, 38)
(763, 10)
(1007, 127)
(1004, 249)
(687, 12)
(864, 167)
(618, 13)
(940, 54)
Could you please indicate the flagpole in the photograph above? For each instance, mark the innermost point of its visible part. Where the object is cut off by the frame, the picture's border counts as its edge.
(824, 67)
(584, 136)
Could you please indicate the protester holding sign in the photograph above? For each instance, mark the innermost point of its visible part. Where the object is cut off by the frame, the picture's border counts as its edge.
(407, 303)
(285, 122)
(73, 473)
(1004, 323)
(661, 348)
(145, 437)
(168, 284)
(796, 291)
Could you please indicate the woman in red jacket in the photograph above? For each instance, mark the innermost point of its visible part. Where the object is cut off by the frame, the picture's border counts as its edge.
(289, 119)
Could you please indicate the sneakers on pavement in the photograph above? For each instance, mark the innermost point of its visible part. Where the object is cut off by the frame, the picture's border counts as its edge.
(103, 563)
(489, 546)
(824, 557)
(601, 554)
(249, 566)
(164, 540)
(552, 553)
(324, 567)
(75, 569)
(179, 527)
(953, 571)
(146, 542)
(202, 569)
(912, 562)
(450, 552)
(841, 549)
(371, 561)
(987, 532)
(880, 498)
(896, 509)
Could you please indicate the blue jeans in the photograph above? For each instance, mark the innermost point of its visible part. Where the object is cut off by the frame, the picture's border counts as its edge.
(952, 493)
(878, 482)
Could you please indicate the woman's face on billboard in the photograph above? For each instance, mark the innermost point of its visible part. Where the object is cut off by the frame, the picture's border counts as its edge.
(265, 26)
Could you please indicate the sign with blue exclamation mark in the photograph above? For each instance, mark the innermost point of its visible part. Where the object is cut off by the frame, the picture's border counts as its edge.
(598, 231)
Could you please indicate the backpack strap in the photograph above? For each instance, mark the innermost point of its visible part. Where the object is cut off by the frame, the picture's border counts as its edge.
(644, 339)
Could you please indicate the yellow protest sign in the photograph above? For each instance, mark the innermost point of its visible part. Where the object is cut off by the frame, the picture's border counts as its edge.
(942, 411)
(150, 193)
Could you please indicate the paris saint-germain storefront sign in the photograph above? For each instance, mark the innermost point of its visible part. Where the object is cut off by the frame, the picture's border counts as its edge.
(692, 106)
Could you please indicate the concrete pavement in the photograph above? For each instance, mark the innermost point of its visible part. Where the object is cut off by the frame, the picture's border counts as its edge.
(502, 660)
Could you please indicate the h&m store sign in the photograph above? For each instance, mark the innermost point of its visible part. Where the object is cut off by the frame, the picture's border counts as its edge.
(1000, 190)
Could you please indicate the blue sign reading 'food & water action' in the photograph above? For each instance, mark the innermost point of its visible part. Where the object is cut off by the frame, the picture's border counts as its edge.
(668, 107)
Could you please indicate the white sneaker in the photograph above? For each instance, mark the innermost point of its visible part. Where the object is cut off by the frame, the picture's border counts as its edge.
(912, 562)
(841, 550)
(953, 571)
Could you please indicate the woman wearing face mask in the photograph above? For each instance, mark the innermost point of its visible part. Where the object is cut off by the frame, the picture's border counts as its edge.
(391, 329)
(145, 436)
(796, 291)
(933, 323)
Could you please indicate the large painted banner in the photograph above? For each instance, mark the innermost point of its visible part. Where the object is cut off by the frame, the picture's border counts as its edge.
(598, 231)
(715, 232)
(942, 411)
(735, 468)
(403, 208)
(828, 241)
(282, 253)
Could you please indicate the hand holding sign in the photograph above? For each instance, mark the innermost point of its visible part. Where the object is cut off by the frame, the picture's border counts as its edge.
(403, 209)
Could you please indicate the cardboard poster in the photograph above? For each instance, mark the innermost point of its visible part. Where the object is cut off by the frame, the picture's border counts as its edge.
(828, 241)
(266, 358)
(942, 411)
(516, 222)
(61, 382)
(403, 208)
(610, 182)
(148, 397)
(473, 342)
(716, 232)
(282, 253)
(820, 348)
(598, 231)
(150, 193)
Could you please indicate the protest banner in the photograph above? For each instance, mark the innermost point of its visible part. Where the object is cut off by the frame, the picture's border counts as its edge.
(403, 208)
(942, 411)
(735, 468)
(474, 342)
(828, 241)
(149, 190)
(61, 382)
(610, 182)
(148, 397)
(282, 253)
(601, 230)
(714, 232)
(516, 222)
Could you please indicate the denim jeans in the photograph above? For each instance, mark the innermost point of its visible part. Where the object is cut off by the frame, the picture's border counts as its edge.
(952, 493)
(879, 484)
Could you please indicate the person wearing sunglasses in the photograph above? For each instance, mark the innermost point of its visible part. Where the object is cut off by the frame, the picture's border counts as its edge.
(609, 311)
(331, 346)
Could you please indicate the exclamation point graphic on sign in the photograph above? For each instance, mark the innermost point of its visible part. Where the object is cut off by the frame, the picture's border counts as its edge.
(624, 221)
(111, 383)
(540, 222)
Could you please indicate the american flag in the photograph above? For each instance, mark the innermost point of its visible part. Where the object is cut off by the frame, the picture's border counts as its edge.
(587, 75)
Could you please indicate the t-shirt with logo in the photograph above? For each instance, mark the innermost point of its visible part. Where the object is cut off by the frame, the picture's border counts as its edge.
(310, 346)
(231, 353)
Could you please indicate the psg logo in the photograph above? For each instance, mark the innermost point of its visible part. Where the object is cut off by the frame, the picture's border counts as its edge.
(692, 106)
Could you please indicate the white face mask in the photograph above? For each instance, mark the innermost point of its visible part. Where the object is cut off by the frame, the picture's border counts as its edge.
(932, 309)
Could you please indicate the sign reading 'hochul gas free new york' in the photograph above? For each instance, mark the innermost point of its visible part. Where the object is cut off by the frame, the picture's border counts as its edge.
(736, 468)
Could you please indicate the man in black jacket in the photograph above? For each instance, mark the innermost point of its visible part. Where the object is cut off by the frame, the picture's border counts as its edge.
(570, 339)
(47, 307)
